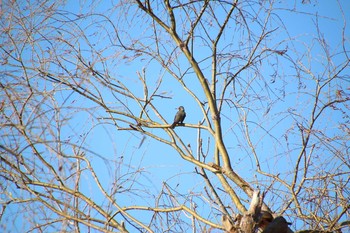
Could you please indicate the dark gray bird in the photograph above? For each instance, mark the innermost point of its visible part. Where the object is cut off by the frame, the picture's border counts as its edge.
(179, 117)
(278, 225)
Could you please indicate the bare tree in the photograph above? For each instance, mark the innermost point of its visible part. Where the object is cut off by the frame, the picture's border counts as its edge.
(88, 96)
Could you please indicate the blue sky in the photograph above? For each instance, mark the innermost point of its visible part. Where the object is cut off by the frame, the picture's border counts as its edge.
(117, 155)
(163, 164)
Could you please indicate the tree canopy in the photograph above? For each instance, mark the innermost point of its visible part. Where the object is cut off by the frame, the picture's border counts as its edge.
(89, 92)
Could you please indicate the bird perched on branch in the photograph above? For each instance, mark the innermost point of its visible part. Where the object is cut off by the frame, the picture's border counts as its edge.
(179, 117)
(278, 225)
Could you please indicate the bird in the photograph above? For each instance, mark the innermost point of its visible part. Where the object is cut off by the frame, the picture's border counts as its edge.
(278, 225)
(179, 117)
